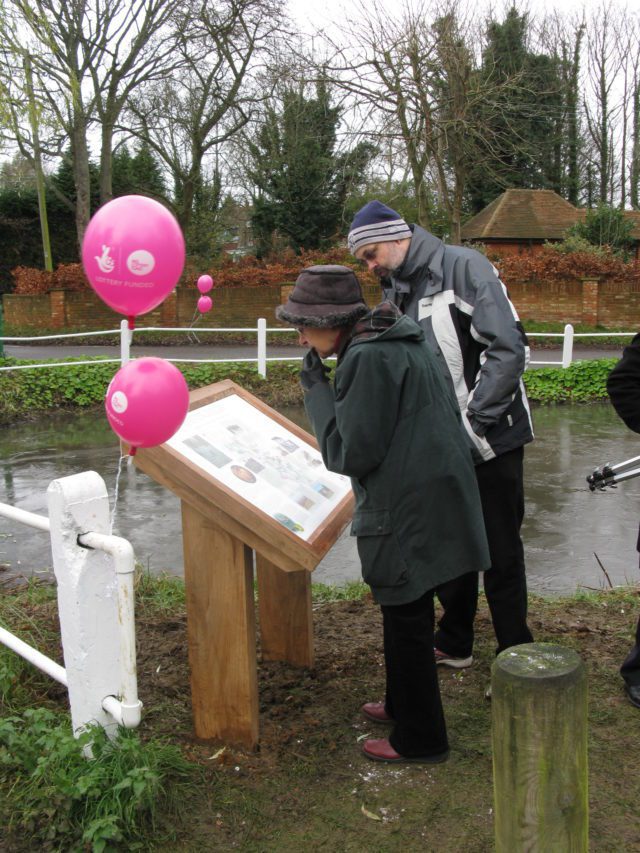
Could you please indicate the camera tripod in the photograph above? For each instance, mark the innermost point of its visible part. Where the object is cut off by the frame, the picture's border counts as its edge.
(611, 475)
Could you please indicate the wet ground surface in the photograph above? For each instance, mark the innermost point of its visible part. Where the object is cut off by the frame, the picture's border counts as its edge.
(572, 537)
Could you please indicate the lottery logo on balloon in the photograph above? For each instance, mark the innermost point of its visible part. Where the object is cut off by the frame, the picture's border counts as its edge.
(119, 402)
(146, 402)
(141, 262)
(133, 254)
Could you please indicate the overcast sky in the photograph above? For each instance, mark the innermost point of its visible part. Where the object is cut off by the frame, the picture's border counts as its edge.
(313, 16)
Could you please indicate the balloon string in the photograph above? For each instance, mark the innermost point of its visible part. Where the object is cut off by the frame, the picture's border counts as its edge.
(194, 320)
(115, 494)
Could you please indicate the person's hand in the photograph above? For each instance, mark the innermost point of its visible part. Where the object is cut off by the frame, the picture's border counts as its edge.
(313, 370)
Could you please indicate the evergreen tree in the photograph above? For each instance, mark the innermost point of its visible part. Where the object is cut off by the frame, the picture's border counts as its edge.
(301, 181)
(138, 174)
(204, 232)
(122, 179)
(606, 226)
(521, 148)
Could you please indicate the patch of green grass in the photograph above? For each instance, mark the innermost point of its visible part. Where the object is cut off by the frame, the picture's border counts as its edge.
(351, 591)
(65, 801)
(164, 592)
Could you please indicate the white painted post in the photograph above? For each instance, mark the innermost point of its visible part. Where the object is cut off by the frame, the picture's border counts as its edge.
(262, 347)
(126, 336)
(567, 345)
(87, 598)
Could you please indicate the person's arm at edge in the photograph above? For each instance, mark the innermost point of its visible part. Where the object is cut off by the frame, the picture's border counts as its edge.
(623, 385)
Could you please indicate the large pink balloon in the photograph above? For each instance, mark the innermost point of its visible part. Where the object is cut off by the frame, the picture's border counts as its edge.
(133, 254)
(147, 401)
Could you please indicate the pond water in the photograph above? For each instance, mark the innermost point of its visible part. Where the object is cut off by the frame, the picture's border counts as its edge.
(565, 526)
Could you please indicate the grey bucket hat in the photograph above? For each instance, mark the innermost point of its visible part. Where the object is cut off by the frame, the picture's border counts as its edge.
(324, 296)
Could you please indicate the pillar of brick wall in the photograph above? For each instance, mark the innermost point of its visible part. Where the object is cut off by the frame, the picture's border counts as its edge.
(590, 298)
(57, 299)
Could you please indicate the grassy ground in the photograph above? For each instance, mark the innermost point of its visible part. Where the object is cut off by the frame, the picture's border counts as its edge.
(308, 787)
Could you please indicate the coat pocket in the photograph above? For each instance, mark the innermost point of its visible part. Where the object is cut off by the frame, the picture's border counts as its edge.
(380, 555)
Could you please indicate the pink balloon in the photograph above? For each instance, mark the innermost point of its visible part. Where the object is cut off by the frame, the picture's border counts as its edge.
(205, 304)
(205, 283)
(133, 254)
(146, 402)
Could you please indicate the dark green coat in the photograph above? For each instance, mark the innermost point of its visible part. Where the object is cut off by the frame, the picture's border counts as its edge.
(390, 423)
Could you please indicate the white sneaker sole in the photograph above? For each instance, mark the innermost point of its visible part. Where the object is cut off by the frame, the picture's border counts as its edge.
(455, 663)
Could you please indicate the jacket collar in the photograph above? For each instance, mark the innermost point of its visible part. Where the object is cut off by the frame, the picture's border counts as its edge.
(426, 254)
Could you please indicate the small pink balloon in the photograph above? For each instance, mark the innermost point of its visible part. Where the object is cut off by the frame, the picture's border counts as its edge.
(205, 304)
(146, 402)
(205, 283)
(133, 254)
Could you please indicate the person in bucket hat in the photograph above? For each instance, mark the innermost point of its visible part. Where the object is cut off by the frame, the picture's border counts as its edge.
(416, 525)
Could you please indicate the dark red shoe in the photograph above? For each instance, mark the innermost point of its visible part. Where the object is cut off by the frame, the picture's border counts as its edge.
(375, 712)
(381, 750)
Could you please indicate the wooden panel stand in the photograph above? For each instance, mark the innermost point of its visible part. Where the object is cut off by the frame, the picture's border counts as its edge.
(221, 631)
(539, 723)
(286, 621)
(221, 529)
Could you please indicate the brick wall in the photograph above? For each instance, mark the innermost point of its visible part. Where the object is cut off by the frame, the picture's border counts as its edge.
(608, 303)
(550, 301)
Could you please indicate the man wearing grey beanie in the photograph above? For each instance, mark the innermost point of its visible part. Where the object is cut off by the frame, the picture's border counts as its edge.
(456, 296)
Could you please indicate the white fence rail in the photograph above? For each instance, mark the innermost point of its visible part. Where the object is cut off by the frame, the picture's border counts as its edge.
(567, 337)
(94, 575)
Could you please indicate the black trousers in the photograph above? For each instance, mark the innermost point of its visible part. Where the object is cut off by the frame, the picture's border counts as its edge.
(501, 485)
(630, 669)
(413, 693)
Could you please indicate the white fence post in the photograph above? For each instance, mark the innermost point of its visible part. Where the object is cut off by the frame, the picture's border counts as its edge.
(262, 347)
(87, 598)
(126, 336)
(567, 345)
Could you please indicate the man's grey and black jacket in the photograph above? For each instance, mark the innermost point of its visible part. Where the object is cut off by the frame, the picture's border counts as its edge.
(455, 294)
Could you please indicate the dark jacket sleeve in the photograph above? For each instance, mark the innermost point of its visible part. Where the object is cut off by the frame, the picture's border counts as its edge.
(355, 421)
(623, 385)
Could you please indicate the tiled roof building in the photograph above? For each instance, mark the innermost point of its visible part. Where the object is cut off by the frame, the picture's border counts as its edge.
(522, 220)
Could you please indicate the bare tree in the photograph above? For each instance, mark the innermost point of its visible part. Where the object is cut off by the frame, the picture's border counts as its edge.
(602, 107)
(87, 56)
(187, 117)
(632, 108)
(419, 76)
(562, 38)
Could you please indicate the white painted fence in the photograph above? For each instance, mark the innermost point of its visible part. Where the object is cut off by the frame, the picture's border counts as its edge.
(94, 575)
(567, 338)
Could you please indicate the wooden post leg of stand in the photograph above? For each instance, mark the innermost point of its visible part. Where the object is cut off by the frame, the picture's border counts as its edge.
(286, 621)
(221, 630)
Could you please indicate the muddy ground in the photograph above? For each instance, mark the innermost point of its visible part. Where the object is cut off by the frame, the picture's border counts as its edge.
(308, 787)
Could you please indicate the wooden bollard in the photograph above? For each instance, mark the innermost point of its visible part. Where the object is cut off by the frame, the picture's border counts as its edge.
(539, 731)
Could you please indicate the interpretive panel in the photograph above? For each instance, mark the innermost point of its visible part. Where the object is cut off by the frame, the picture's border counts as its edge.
(254, 473)
(262, 462)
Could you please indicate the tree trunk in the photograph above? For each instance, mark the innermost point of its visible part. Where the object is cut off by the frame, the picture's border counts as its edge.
(106, 161)
(81, 177)
(634, 171)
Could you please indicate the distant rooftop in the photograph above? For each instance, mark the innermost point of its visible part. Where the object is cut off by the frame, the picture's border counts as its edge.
(523, 215)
